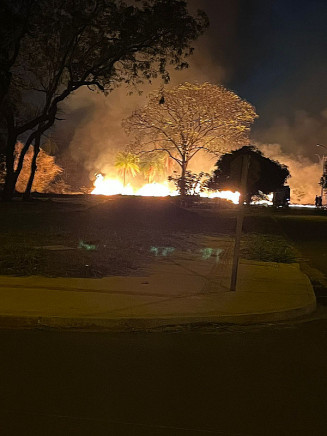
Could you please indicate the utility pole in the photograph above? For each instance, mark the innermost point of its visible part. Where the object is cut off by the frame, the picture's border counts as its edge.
(239, 223)
(324, 171)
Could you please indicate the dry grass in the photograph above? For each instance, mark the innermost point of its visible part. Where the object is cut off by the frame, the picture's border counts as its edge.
(267, 248)
(106, 237)
(116, 236)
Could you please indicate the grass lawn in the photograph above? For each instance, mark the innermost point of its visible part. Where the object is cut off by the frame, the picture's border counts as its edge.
(107, 235)
(116, 235)
(307, 230)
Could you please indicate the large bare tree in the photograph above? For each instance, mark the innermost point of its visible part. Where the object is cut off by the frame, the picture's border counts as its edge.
(188, 118)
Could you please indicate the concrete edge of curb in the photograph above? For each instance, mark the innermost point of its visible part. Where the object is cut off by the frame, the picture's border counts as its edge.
(143, 324)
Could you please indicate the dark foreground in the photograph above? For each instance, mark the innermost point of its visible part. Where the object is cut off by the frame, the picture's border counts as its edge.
(268, 380)
(95, 236)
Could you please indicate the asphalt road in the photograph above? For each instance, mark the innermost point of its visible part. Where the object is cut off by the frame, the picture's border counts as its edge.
(264, 380)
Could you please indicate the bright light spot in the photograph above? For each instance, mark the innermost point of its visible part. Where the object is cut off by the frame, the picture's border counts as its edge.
(267, 202)
(310, 206)
(155, 190)
(104, 186)
(226, 195)
(107, 186)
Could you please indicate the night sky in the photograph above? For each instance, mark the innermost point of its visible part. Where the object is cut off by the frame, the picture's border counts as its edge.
(274, 51)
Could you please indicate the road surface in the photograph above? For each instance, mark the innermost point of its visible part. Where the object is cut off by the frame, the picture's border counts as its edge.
(261, 380)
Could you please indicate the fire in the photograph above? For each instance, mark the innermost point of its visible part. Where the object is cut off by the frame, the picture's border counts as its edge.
(226, 195)
(156, 190)
(107, 186)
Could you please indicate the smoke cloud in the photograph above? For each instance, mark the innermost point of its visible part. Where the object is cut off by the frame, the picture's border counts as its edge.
(305, 174)
(93, 127)
(98, 136)
(293, 143)
(297, 134)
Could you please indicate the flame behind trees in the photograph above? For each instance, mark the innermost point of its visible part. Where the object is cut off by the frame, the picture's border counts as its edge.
(188, 118)
(264, 175)
(127, 164)
(45, 177)
(153, 165)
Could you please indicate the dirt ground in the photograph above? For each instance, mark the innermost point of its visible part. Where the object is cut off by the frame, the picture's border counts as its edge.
(96, 236)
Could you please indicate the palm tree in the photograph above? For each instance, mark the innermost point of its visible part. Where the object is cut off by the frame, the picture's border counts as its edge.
(127, 164)
(153, 164)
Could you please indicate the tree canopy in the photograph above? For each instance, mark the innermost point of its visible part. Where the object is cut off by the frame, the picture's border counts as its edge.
(188, 118)
(127, 164)
(97, 44)
(264, 175)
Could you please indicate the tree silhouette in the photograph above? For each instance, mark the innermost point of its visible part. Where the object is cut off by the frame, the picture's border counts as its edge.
(94, 44)
(264, 174)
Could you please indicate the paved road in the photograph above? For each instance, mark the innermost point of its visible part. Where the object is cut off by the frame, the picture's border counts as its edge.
(268, 380)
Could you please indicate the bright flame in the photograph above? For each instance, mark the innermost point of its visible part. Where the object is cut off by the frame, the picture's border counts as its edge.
(106, 186)
(155, 190)
(267, 202)
(226, 195)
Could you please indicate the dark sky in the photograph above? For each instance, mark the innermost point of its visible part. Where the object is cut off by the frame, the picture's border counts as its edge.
(275, 52)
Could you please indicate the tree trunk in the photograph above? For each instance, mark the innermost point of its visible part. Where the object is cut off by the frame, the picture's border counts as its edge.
(9, 187)
(12, 174)
(27, 193)
(182, 185)
(248, 197)
(10, 182)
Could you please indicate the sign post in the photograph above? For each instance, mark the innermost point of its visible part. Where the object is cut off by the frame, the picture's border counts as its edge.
(239, 223)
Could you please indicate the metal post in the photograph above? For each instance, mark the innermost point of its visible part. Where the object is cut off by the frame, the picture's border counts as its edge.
(239, 223)
(324, 174)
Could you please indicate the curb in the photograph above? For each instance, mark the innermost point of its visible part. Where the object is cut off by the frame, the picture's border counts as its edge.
(144, 324)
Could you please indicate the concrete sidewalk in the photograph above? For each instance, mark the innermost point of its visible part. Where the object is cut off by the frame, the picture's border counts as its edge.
(177, 288)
